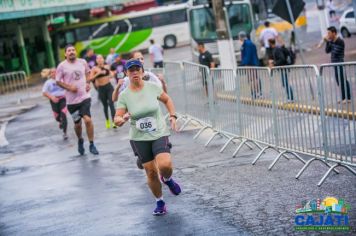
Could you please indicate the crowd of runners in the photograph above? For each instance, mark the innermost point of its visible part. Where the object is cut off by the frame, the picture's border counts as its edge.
(137, 94)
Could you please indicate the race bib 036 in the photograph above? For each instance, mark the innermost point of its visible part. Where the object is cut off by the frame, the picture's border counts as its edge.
(147, 124)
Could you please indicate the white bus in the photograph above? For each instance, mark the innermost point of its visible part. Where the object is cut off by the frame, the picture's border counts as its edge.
(167, 25)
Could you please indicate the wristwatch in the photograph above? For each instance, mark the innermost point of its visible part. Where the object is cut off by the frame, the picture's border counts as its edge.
(174, 116)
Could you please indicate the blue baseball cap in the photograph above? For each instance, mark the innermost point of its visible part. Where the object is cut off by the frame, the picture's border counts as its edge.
(132, 62)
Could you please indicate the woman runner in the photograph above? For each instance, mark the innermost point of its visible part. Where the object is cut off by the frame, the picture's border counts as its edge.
(56, 96)
(101, 75)
(148, 130)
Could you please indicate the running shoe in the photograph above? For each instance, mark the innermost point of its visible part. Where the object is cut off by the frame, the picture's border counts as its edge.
(81, 149)
(114, 126)
(172, 185)
(65, 136)
(160, 209)
(107, 124)
(93, 149)
(139, 163)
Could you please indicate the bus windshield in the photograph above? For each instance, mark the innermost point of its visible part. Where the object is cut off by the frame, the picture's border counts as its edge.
(202, 22)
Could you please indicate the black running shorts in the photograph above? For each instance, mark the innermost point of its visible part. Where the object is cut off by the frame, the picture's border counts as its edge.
(79, 110)
(148, 150)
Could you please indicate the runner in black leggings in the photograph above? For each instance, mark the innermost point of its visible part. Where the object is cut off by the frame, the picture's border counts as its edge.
(101, 75)
(56, 96)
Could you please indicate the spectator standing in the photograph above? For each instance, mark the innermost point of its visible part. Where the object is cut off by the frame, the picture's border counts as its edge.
(249, 58)
(331, 9)
(205, 59)
(336, 46)
(279, 59)
(156, 54)
(266, 34)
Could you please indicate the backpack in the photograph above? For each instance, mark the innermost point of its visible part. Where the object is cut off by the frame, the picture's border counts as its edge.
(289, 55)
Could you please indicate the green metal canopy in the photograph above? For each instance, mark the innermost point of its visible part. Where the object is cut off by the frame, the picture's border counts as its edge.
(15, 9)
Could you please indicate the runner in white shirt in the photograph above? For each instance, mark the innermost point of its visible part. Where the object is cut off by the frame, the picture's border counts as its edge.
(156, 54)
(125, 82)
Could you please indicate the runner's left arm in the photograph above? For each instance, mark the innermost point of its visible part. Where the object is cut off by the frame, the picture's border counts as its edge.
(168, 102)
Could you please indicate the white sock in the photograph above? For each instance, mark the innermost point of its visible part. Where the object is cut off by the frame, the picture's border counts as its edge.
(168, 179)
(159, 199)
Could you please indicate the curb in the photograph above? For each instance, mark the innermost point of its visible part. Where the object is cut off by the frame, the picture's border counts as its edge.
(4, 122)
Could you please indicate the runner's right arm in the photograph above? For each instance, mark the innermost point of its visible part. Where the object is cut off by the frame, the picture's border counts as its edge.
(60, 83)
(121, 116)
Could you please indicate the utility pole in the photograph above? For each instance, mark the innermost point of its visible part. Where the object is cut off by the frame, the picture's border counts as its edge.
(224, 42)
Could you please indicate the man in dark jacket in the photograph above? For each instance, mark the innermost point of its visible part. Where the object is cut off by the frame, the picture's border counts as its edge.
(279, 59)
(336, 46)
(249, 58)
(205, 59)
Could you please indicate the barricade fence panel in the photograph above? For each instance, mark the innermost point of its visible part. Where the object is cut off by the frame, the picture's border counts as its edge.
(297, 111)
(225, 103)
(256, 104)
(197, 79)
(291, 107)
(156, 71)
(174, 77)
(12, 82)
(338, 84)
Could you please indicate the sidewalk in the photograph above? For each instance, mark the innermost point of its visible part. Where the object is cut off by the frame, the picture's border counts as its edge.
(318, 56)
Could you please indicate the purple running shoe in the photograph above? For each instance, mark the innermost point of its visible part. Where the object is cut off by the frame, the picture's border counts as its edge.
(172, 185)
(160, 209)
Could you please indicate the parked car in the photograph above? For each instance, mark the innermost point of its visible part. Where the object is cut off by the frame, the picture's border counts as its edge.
(348, 23)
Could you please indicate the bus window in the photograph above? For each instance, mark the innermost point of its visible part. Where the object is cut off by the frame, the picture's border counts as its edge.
(119, 27)
(69, 38)
(140, 23)
(83, 33)
(161, 19)
(239, 19)
(178, 16)
(202, 24)
(102, 30)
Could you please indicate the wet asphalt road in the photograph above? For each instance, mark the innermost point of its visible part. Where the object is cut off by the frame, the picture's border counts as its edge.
(47, 189)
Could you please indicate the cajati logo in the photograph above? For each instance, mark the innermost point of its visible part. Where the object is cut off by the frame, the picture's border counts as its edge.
(319, 215)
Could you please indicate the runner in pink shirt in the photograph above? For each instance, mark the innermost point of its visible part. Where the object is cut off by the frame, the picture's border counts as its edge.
(72, 75)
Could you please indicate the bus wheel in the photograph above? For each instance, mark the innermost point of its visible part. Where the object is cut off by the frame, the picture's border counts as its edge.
(170, 41)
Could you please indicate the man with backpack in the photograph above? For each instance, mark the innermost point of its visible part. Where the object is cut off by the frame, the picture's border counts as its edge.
(279, 58)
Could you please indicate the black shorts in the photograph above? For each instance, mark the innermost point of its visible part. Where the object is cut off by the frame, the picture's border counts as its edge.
(79, 110)
(158, 64)
(148, 150)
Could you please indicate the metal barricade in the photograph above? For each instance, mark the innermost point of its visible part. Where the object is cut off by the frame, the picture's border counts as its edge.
(337, 88)
(174, 76)
(156, 71)
(199, 94)
(298, 126)
(256, 110)
(12, 83)
(224, 105)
